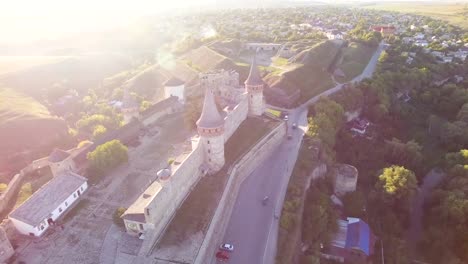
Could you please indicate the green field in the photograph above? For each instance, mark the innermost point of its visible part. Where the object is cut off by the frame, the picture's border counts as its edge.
(454, 13)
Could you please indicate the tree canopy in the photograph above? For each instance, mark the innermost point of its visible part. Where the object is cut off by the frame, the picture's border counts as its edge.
(107, 156)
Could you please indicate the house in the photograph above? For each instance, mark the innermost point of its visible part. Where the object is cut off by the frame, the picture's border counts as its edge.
(419, 36)
(404, 96)
(359, 126)
(353, 243)
(174, 87)
(421, 43)
(447, 59)
(60, 161)
(334, 34)
(384, 30)
(47, 204)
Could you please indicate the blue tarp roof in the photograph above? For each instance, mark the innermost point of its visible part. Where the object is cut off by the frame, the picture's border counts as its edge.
(358, 235)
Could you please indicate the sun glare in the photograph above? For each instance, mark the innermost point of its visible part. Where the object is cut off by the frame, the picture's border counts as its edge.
(49, 19)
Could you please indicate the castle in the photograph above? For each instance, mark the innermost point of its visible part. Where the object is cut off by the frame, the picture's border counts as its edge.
(152, 211)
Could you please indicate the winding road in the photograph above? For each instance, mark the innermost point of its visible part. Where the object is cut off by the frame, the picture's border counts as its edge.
(253, 227)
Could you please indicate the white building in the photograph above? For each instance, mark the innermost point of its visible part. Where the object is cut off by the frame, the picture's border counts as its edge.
(47, 204)
(175, 87)
(334, 34)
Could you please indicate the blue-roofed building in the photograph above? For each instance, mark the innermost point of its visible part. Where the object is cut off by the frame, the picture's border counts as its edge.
(353, 243)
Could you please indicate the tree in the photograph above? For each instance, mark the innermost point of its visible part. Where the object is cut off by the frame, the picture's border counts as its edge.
(397, 184)
(107, 156)
(98, 131)
(407, 154)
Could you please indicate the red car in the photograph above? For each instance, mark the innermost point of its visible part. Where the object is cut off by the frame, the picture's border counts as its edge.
(222, 255)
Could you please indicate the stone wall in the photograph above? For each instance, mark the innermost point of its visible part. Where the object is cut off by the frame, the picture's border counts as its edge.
(238, 173)
(174, 191)
(13, 187)
(235, 117)
(319, 171)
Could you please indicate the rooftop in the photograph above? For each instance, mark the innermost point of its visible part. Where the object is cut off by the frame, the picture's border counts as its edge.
(210, 116)
(354, 233)
(174, 81)
(58, 155)
(39, 206)
(136, 211)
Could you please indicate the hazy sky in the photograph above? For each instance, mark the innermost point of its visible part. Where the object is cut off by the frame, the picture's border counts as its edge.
(23, 20)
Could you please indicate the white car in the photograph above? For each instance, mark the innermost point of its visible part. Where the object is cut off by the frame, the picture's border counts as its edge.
(286, 118)
(227, 247)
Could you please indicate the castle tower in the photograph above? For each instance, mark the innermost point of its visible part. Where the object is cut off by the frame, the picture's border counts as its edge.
(254, 87)
(211, 130)
(129, 107)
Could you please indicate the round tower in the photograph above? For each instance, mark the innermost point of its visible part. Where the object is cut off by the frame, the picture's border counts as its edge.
(129, 107)
(254, 87)
(211, 130)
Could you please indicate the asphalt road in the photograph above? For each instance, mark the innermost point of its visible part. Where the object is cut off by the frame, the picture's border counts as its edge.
(253, 227)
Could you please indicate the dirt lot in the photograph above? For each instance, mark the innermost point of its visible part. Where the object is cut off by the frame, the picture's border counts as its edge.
(88, 234)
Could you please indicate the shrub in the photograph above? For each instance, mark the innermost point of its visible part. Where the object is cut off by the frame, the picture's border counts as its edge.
(287, 220)
(107, 156)
(116, 216)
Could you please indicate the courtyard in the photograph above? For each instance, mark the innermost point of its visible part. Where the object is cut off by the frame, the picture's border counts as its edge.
(87, 234)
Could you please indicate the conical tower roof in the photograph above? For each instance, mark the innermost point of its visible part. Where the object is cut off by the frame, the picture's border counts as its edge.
(210, 117)
(254, 75)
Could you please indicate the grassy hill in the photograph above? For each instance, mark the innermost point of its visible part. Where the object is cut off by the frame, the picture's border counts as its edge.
(355, 58)
(454, 13)
(25, 126)
(307, 71)
(78, 73)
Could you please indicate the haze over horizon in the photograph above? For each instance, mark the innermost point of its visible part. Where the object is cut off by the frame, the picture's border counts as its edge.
(29, 20)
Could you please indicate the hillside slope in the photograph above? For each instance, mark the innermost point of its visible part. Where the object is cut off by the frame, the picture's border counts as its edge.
(25, 127)
(77, 73)
(308, 71)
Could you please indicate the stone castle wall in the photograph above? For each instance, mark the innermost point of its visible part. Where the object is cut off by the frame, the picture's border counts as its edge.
(235, 117)
(163, 207)
(239, 172)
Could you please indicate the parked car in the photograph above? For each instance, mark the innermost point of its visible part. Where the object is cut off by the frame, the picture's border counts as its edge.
(289, 136)
(294, 125)
(227, 247)
(222, 256)
(286, 118)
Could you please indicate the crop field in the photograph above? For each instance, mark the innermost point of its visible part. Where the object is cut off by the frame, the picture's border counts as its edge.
(454, 13)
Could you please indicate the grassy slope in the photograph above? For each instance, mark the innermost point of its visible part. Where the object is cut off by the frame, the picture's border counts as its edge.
(79, 73)
(452, 12)
(25, 125)
(15, 106)
(355, 59)
(9, 64)
(310, 74)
